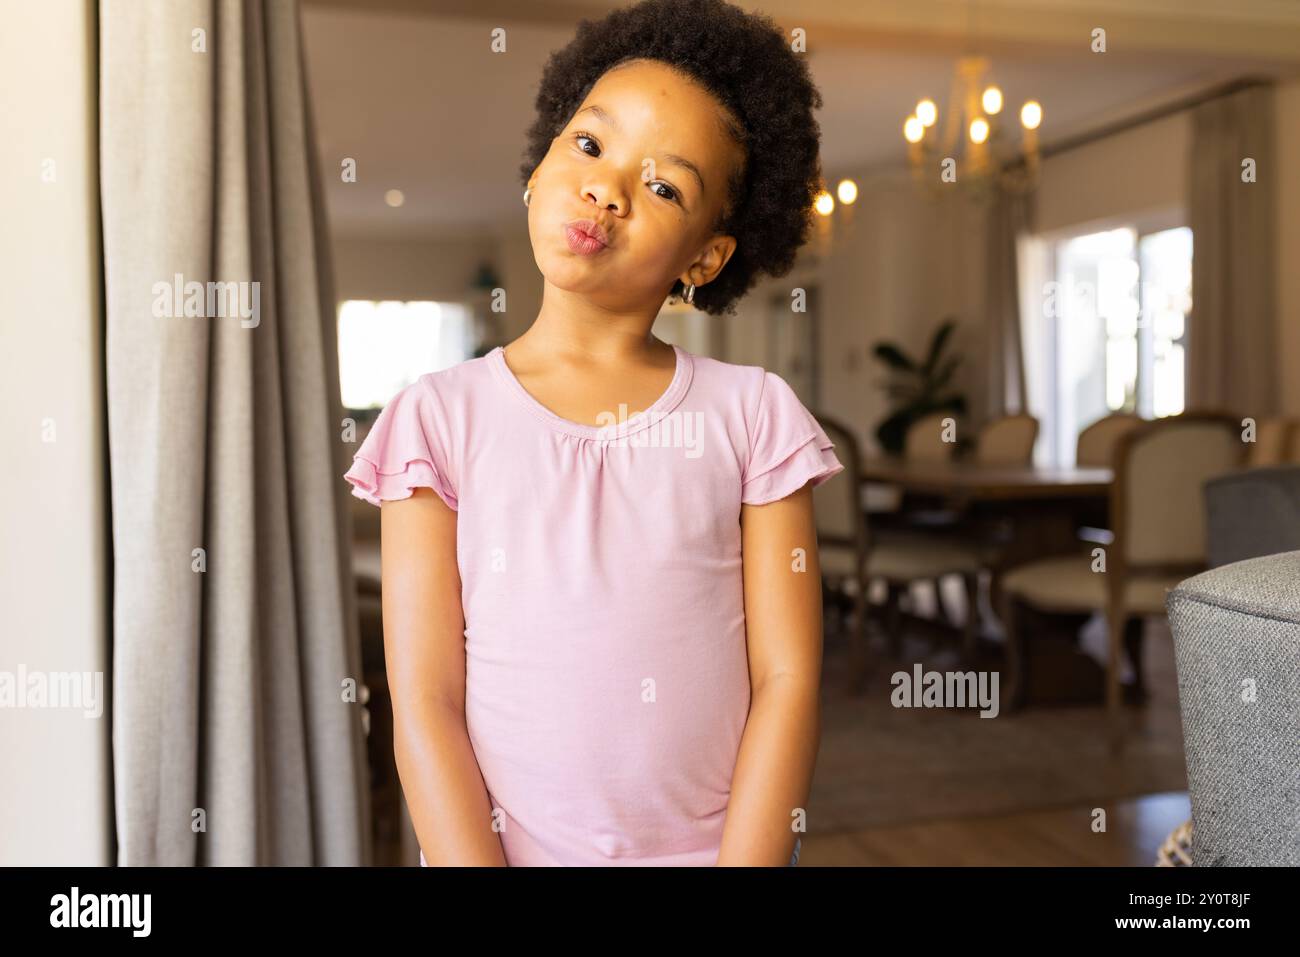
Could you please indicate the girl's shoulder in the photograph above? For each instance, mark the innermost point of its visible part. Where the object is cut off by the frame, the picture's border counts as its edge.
(747, 389)
(732, 374)
(780, 443)
(413, 440)
(462, 377)
(451, 392)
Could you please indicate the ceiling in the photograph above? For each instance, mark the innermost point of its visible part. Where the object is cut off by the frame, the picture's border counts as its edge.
(412, 92)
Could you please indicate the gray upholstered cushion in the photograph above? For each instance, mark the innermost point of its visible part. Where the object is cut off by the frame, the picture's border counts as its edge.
(1236, 630)
(1255, 512)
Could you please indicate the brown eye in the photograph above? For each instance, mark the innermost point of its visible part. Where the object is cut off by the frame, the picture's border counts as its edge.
(672, 193)
(577, 137)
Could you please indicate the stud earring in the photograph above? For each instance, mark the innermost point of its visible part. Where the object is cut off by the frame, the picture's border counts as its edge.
(528, 194)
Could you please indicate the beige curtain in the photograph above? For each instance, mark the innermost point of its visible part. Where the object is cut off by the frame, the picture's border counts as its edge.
(1010, 216)
(235, 646)
(1232, 331)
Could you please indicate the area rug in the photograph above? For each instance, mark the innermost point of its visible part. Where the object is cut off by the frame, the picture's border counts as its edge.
(881, 765)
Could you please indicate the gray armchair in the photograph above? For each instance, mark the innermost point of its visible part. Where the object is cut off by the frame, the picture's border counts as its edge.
(1237, 642)
(1252, 513)
(1236, 632)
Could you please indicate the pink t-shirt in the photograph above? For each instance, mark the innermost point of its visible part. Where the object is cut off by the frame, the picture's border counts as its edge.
(607, 681)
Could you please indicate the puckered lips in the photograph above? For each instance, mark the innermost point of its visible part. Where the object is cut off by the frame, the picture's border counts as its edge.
(586, 237)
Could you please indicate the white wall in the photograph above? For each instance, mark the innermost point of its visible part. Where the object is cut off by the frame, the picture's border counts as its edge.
(1138, 169)
(898, 267)
(55, 798)
(372, 268)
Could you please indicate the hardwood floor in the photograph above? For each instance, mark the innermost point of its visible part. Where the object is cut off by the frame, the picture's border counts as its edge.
(1049, 838)
(1052, 838)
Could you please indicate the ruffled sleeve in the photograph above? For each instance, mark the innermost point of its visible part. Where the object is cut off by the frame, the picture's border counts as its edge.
(788, 447)
(405, 450)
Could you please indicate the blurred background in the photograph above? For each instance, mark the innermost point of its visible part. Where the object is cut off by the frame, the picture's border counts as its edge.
(1022, 365)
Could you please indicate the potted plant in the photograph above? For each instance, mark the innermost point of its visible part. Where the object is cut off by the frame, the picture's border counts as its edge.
(917, 388)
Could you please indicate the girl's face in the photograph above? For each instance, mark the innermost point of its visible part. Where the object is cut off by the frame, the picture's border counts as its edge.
(646, 157)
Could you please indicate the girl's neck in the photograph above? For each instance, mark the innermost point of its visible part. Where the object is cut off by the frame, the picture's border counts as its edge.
(572, 326)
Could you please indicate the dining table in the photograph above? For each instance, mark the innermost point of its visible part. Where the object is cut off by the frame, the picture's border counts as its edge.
(1035, 511)
(963, 482)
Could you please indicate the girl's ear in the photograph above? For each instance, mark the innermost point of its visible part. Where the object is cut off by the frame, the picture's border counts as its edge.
(711, 260)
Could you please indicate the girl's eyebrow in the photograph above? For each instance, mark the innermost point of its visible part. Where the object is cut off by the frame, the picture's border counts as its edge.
(672, 158)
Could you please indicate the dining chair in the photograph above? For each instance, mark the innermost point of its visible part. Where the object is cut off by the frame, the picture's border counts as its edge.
(1272, 445)
(1251, 513)
(1005, 441)
(1008, 440)
(901, 560)
(1158, 520)
(925, 439)
(842, 532)
(939, 543)
(923, 442)
(841, 522)
(925, 547)
(1095, 447)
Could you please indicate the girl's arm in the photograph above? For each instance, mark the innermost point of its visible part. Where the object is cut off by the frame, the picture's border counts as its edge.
(783, 614)
(424, 646)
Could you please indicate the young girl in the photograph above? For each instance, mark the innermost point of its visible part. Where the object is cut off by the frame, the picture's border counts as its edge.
(603, 630)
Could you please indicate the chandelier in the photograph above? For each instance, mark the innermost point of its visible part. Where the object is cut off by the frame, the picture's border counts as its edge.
(974, 153)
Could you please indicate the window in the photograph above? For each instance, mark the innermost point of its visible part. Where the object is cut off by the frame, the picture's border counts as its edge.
(1165, 260)
(385, 346)
(1113, 338)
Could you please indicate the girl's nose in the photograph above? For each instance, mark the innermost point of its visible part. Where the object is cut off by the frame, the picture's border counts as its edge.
(608, 197)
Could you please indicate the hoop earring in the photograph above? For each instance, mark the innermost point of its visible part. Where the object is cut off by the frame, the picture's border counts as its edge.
(528, 194)
(690, 292)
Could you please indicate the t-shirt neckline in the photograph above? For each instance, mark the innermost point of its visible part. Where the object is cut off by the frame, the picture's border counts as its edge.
(681, 381)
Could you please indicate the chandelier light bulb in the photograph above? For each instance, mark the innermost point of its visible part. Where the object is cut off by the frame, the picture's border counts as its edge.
(825, 203)
(982, 106)
(847, 191)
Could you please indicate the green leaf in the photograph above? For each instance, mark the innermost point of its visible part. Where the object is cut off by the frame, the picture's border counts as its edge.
(917, 389)
(892, 433)
(941, 336)
(941, 378)
(893, 357)
(952, 403)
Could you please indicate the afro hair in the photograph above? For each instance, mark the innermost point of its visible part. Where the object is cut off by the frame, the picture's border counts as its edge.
(746, 62)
